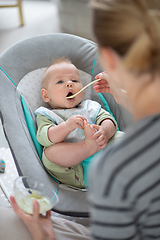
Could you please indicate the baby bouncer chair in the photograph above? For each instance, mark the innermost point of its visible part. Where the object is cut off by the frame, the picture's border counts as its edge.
(21, 69)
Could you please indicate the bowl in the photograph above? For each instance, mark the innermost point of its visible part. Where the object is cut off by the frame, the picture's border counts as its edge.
(27, 189)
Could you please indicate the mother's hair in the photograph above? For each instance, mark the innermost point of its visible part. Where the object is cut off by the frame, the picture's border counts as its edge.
(132, 29)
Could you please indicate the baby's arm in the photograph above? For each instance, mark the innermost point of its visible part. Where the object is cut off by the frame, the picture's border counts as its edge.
(68, 154)
(46, 128)
(59, 132)
(64, 154)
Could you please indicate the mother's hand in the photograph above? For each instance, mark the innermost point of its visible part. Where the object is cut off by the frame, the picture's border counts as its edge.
(40, 227)
(103, 84)
(109, 86)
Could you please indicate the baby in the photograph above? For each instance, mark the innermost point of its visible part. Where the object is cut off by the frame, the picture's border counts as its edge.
(71, 130)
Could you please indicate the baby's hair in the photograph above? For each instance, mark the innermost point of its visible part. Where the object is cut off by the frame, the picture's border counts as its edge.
(131, 28)
(61, 59)
(56, 61)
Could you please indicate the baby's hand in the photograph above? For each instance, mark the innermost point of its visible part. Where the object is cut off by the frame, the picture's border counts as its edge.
(75, 121)
(100, 136)
(103, 84)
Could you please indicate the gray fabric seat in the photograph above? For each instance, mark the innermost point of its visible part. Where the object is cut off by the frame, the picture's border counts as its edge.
(22, 58)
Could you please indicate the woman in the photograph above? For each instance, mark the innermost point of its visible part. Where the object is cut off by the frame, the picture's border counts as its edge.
(128, 202)
(125, 182)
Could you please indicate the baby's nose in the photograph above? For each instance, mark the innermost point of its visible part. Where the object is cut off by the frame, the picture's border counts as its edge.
(69, 85)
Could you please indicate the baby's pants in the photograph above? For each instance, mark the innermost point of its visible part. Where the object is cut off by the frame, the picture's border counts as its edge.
(72, 176)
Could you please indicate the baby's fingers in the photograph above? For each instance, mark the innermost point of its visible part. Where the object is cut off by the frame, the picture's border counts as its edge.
(101, 142)
(81, 117)
(80, 123)
(103, 146)
(95, 136)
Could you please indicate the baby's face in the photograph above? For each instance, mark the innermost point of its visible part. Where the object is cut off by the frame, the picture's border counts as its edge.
(63, 80)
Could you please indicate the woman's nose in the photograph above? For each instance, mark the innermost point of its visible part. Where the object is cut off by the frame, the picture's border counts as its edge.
(69, 85)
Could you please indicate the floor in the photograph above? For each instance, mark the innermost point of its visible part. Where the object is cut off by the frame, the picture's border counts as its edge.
(40, 17)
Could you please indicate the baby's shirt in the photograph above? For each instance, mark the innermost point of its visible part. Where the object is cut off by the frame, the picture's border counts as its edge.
(46, 118)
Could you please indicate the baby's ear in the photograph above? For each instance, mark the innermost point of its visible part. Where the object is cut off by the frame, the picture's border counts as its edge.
(45, 95)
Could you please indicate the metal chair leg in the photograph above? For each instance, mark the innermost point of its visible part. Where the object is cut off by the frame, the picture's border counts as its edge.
(19, 5)
(20, 12)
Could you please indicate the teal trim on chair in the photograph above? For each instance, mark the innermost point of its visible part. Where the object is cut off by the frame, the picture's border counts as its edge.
(8, 77)
(31, 127)
(106, 106)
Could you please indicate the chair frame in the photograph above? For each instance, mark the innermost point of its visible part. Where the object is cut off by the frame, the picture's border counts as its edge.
(19, 5)
(17, 61)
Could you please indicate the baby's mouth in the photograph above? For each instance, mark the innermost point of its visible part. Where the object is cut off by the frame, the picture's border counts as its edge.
(69, 94)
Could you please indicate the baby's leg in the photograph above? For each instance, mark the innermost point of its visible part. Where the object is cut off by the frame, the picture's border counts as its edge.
(68, 154)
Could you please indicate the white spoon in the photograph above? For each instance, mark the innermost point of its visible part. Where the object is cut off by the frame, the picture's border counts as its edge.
(84, 88)
(2, 186)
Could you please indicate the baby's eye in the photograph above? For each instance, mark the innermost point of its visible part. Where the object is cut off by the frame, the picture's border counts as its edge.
(74, 80)
(60, 81)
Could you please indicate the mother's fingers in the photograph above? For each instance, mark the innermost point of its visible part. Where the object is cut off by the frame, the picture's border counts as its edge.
(14, 204)
(48, 214)
(102, 81)
(17, 210)
(101, 85)
(36, 209)
(102, 75)
(102, 89)
(21, 213)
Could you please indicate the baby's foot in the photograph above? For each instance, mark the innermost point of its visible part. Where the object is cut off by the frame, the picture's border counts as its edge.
(91, 143)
